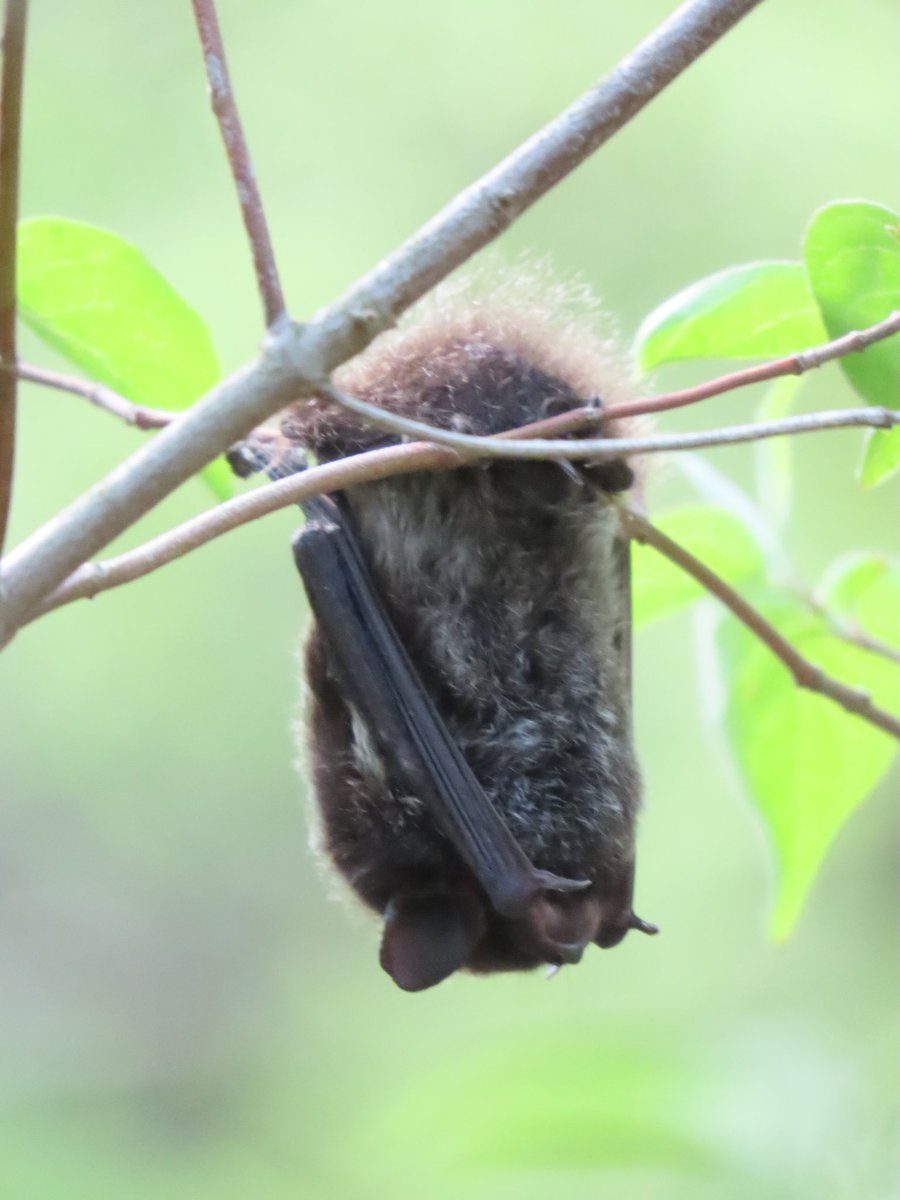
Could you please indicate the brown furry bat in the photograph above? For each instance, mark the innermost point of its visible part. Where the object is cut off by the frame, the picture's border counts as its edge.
(470, 726)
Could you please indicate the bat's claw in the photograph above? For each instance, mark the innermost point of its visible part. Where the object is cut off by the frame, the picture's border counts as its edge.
(641, 925)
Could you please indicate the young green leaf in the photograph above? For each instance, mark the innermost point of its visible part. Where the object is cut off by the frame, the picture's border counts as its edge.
(97, 300)
(807, 763)
(881, 457)
(757, 310)
(852, 253)
(863, 590)
(719, 539)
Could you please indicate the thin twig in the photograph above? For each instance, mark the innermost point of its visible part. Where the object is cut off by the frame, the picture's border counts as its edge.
(299, 358)
(15, 17)
(805, 673)
(849, 631)
(228, 117)
(137, 415)
(856, 637)
(92, 578)
(793, 364)
(472, 446)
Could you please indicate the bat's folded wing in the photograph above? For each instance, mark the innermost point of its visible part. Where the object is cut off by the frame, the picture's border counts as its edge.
(377, 677)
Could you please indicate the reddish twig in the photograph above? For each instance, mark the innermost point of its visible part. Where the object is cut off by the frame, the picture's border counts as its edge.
(226, 113)
(15, 17)
(805, 673)
(792, 364)
(137, 415)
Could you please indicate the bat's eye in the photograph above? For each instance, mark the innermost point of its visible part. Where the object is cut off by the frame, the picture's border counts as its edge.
(555, 406)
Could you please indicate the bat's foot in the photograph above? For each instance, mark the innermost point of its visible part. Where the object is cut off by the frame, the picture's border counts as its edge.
(642, 926)
(514, 897)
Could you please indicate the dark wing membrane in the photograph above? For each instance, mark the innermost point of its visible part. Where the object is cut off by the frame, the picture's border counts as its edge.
(376, 676)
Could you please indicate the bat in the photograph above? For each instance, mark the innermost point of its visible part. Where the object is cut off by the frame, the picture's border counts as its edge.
(468, 668)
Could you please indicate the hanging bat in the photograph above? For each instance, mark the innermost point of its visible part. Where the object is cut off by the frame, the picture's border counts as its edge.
(468, 668)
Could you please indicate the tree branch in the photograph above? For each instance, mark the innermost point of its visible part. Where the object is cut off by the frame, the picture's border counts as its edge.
(15, 16)
(298, 359)
(805, 673)
(137, 415)
(228, 117)
(793, 364)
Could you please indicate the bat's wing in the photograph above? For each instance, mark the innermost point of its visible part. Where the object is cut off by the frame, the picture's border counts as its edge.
(377, 677)
(622, 560)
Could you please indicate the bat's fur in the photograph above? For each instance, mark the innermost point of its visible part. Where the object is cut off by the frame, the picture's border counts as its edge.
(505, 584)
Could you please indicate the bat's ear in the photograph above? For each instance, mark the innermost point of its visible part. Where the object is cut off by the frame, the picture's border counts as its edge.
(429, 936)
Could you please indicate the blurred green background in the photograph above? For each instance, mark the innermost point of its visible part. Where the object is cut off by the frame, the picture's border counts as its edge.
(185, 1009)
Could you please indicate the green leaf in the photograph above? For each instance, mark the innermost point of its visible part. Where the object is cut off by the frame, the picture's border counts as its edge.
(807, 762)
(719, 539)
(852, 252)
(757, 310)
(852, 255)
(96, 299)
(881, 457)
(864, 591)
(541, 1110)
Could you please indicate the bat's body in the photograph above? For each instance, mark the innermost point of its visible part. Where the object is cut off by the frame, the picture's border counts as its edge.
(500, 592)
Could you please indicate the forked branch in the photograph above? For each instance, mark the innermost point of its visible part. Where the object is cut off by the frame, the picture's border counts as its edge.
(298, 359)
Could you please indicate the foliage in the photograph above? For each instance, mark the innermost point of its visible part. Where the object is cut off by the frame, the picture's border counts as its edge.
(806, 764)
(97, 300)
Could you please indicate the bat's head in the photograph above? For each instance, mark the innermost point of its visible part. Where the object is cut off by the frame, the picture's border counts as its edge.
(428, 935)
